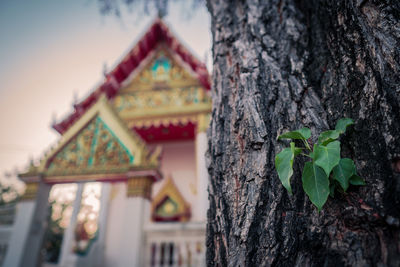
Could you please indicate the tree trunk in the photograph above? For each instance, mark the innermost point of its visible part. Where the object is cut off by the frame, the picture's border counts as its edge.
(280, 65)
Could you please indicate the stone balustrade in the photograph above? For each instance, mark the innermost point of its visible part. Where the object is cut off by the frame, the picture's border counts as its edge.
(175, 244)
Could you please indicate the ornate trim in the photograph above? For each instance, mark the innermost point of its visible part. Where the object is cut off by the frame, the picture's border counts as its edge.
(203, 121)
(117, 175)
(30, 191)
(158, 103)
(170, 192)
(163, 121)
(139, 187)
(160, 70)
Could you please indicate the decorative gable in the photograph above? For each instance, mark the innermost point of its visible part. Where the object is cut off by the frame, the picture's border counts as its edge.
(94, 146)
(161, 72)
(98, 146)
(169, 205)
(163, 91)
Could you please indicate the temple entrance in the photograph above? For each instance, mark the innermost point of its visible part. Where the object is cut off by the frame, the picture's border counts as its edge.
(61, 201)
(76, 206)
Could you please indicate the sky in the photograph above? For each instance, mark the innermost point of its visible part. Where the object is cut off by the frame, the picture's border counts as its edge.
(52, 51)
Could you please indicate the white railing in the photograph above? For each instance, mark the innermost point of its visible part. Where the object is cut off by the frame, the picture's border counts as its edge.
(175, 244)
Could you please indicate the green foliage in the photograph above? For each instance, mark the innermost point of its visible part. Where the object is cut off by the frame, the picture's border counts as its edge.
(343, 171)
(302, 134)
(315, 184)
(328, 136)
(356, 180)
(326, 171)
(284, 159)
(327, 156)
(342, 124)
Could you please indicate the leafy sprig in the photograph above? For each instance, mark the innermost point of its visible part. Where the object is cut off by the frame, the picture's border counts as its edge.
(326, 172)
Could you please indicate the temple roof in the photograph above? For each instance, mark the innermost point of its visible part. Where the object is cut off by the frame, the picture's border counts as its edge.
(99, 145)
(157, 33)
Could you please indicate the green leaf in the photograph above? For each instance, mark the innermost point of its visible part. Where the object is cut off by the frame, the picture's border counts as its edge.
(356, 180)
(312, 152)
(328, 137)
(284, 167)
(327, 156)
(315, 184)
(342, 124)
(295, 150)
(343, 171)
(302, 134)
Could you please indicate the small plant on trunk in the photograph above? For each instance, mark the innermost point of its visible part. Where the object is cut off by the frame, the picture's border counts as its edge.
(326, 172)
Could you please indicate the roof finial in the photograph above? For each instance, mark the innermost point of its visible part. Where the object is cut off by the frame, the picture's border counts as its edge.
(161, 14)
(161, 9)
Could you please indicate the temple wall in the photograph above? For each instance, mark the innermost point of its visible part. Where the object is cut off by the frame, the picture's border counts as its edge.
(179, 162)
(116, 211)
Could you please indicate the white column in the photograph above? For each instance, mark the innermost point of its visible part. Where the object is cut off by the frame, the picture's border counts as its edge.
(132, 243)
(115, 221)
(67, 257)
(37, 227)
(202, 177)
(104, 200)
(20, 230)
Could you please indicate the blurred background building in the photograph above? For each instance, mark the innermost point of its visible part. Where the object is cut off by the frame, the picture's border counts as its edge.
(126, 184)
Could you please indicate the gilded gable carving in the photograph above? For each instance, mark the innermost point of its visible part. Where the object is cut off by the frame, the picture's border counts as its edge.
(95, 146)
(160, 73)
(162, 89)
(170, 98)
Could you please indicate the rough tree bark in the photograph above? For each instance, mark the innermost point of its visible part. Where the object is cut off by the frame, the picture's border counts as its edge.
(280, 65)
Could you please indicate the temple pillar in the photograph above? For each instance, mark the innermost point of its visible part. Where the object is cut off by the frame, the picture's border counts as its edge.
(67, 256)
(200, 213)
(21, 226)
(29, 226)
(137, 213)
(103, 213)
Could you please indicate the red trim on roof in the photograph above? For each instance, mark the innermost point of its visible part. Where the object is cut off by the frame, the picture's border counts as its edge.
(157, 32)
(169, 132)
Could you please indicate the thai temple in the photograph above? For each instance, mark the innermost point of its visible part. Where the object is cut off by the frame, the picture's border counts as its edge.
(126, 184)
